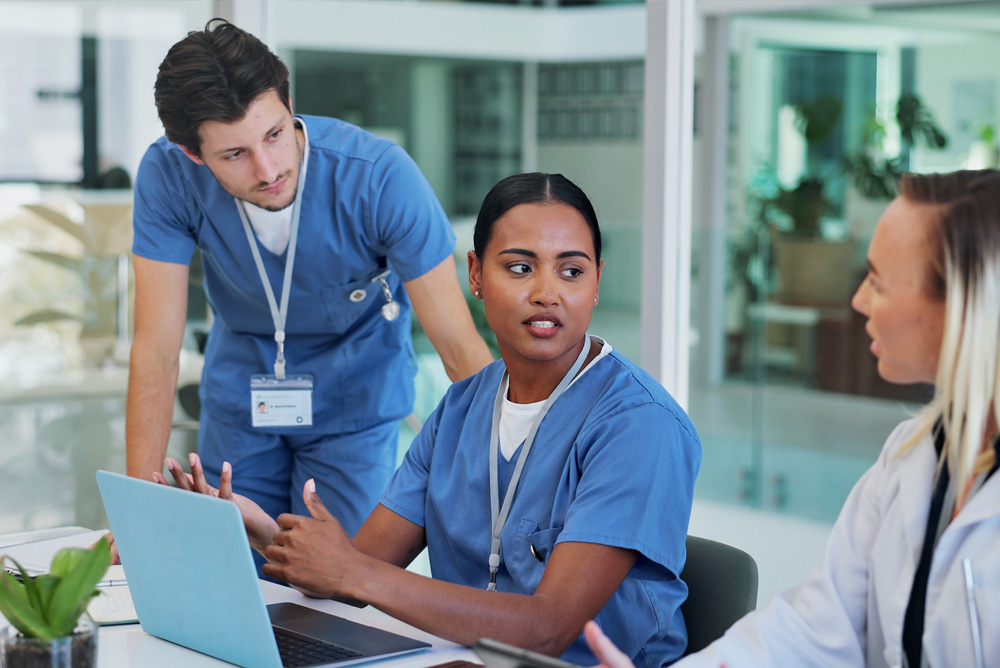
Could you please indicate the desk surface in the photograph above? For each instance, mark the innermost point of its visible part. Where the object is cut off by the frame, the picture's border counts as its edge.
(130, 646)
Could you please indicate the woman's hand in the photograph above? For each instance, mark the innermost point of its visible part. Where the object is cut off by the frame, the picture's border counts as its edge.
(314, 554)
(115, 559)
(259, 525)
(605, 650)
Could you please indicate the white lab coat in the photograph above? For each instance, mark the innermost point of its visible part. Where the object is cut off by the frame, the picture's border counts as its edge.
(849, 612)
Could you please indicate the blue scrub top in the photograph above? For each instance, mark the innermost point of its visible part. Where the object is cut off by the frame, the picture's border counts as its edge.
(366, 208)
(614, 462)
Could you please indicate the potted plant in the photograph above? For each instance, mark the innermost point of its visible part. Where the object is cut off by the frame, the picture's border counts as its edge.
(805, 205)
(984, 152)
(49, 627)
(810, 268)
(103, 234)
(872, 172)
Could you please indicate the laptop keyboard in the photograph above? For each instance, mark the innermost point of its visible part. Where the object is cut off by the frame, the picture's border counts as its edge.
(297, 651)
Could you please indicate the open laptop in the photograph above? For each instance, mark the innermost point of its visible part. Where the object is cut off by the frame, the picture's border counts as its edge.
(193, 582)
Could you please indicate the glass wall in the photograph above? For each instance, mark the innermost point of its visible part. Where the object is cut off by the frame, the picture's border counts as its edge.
(76, 114)
(467, 121)
(824, 111)
(784, 394)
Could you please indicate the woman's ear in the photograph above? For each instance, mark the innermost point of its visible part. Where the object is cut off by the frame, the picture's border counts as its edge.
(597, 288)
(475, 275)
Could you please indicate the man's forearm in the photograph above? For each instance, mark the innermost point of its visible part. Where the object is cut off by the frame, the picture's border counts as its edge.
(444, 316)
(149, 413)
(468, 358)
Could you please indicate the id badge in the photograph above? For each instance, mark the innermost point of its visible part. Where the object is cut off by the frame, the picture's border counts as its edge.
(281, 403)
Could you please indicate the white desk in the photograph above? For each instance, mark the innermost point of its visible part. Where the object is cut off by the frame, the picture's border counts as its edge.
(129, 646)
(805, 320)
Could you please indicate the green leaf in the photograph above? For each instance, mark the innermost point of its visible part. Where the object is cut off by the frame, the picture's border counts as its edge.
(45, 315)
(65, 560)
(65, 261)
(13, 586)
(14, 605)
(77, 586)
(59, 220)
(46, 586)
(30, 588)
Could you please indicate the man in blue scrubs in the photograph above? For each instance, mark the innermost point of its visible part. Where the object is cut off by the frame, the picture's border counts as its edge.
(317, 238)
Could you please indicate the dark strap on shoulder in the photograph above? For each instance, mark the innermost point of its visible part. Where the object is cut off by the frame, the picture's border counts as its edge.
(913, 621)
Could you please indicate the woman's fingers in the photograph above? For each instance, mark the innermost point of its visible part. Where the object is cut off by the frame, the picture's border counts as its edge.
(226, 481)
(198, 474)
(113, 547)
(605, 650)
(183, 480)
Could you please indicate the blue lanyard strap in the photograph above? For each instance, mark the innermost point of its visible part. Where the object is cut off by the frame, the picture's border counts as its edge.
(498, 513)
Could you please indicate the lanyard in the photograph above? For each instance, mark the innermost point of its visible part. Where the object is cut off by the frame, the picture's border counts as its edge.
(498, 514)
(278, 314)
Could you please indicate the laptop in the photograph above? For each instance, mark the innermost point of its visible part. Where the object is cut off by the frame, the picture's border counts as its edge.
(188, 564)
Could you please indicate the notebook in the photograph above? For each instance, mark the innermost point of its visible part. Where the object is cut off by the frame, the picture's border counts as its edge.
(193, 582)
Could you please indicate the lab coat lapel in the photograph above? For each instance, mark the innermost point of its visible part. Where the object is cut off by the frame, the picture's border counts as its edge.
(916, 482)
(984, 504)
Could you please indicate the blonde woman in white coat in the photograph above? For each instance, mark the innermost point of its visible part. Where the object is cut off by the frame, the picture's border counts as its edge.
(932, 303)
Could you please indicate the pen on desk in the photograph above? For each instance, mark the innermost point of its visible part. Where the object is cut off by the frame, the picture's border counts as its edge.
(111, 583)
(970, 597)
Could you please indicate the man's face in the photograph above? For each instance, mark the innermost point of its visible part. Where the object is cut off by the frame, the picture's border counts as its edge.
(257, 158)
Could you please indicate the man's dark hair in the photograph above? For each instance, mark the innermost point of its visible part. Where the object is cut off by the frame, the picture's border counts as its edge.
(214, 75)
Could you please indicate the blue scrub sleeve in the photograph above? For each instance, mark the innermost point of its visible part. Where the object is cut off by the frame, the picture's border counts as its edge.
(406, 493)
(407, 218)
(637, 480)
(162, 212)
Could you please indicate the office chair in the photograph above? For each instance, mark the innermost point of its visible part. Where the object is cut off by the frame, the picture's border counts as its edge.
(722, 587)
(190, 401)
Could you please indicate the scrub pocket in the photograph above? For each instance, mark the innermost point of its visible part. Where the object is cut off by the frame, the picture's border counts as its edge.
(528, 552)
(347, 302)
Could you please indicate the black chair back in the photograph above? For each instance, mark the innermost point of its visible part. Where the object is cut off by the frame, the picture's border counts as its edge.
(722, 587)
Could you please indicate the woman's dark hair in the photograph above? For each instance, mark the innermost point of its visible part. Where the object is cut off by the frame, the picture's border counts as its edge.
(214, 75)
(532, 188)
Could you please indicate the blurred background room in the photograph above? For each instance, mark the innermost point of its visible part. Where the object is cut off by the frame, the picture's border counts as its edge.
(738, 153)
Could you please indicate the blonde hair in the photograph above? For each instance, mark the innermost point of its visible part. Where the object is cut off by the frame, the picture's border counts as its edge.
(965, 272)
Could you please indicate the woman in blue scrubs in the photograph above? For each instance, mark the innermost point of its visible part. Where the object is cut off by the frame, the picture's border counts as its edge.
(552, 487)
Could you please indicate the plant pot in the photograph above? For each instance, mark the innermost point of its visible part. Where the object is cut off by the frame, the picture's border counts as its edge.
(983, 155)
(815, 272)
(75, 651)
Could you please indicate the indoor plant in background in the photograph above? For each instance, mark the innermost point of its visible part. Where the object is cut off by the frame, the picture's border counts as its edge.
(103, 234)
(873, 172)
(984, 153)
(811, 269)
(49, 627)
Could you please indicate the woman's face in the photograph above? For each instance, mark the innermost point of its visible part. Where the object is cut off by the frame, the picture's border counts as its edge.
(905, 322)
(538, 280)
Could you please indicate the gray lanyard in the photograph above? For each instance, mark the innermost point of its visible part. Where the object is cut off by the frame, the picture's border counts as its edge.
(278, 314)
(499, 514)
